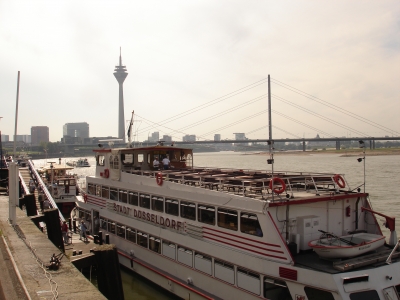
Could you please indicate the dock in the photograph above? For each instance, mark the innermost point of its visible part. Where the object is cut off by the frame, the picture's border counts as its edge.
(25, 251)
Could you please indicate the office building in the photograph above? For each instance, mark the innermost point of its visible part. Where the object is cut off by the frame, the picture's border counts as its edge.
(76, 130)
(217, 137)
(39, 134)
(189, 138)
(240, 136)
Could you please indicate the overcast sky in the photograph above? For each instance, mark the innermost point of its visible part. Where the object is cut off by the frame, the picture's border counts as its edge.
(186, 55)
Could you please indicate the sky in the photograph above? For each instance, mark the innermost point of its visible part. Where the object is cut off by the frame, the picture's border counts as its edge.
(201, 67)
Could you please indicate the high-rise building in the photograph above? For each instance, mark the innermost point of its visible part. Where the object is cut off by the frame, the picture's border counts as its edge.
(189, 138)
(120, 74)
(217, 137)
(5, 138)
(155, 137)
(26, 138)
(167, 138)
(76, 130)
(240, 136)
(39, 134)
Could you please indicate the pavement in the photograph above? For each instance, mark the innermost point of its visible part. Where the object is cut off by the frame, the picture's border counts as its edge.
(24, 253)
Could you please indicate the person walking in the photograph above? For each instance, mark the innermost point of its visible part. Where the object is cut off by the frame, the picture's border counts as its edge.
(83, 231)
(64, 230)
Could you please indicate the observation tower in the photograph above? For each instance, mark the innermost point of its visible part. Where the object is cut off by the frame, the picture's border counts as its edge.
(120, 74)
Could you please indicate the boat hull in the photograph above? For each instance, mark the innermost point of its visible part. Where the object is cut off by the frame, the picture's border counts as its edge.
(333, 248)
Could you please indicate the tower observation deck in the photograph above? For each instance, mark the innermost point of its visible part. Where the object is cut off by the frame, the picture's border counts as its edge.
(120, 74)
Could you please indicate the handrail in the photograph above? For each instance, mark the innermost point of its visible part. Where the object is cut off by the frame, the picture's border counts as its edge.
(44, 189)
(26, 189)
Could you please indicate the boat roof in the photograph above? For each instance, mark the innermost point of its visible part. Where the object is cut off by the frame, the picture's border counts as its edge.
(149, 148)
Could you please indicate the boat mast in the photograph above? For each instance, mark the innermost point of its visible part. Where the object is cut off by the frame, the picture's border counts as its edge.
(129, 131)
(270, 141)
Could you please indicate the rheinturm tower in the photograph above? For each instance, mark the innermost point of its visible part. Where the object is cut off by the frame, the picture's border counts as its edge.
(120, 74)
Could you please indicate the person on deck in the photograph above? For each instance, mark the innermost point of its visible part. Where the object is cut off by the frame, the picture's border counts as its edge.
(64, 230)
(166, 162)
(156, 163)
(83, 231)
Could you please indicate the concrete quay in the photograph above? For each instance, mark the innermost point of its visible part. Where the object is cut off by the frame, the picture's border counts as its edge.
(22, 275)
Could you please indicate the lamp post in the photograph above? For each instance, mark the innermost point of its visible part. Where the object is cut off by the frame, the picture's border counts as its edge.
(362, 145)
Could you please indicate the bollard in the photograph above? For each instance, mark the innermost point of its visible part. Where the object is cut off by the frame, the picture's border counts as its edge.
(80, 252)
(74, 225)
(107, 239)
(74, 253)
(100, 238)
(69, 224)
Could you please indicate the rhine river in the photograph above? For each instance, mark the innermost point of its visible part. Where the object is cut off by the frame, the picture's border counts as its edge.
(382, 175)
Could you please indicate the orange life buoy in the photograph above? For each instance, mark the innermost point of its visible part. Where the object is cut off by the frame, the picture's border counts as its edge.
(159, 178)
(106, 173)
(339, 181)
(281, 189)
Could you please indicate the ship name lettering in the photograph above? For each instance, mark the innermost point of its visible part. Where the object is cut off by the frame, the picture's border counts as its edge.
(156, 219)
(122, 209)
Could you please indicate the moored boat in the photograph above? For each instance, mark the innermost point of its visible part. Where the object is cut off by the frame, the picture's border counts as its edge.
(80, 163)
(331, 246)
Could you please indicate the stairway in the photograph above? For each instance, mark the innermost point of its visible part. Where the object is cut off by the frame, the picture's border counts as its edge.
(26, 176)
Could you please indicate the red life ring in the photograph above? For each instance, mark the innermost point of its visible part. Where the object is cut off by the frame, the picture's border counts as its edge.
(159, 178)
(281, 189)
(106, 173)
(339, 181)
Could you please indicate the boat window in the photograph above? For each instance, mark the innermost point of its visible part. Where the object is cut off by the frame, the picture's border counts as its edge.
(157, 203)
(249, 224)
(206, 214)
(140, 157)
(316, 294)
(185, 256)
(144, 201)
(127, 159)
(370, 295)
(248, 280)
(142, 239)
(155, 244)
(103, 223)
(131, 234)
(123, 196)
(224, 271)
(168, 249)
(114, 162)
(148, 158)
(105, 192)
(188, 210)
(91, 189)
(98, 190)
(100, 160)
(133, 198)
(276, 289)
(203, 263)
(172, 207)
(121, 230)
(227, 219)
(113, 194)
(111, 226)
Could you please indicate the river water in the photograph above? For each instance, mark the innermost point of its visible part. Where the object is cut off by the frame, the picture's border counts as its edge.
(382, 175)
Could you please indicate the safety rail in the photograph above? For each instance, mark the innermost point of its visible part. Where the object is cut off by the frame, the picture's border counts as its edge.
(252, 183)
(44, 188)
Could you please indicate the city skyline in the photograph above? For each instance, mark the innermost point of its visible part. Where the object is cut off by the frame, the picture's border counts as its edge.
(183, 57)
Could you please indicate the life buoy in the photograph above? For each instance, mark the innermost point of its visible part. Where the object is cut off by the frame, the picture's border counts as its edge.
(281, 189)
(106, 173)
(159, 178)
(85, 198)
(339, 181)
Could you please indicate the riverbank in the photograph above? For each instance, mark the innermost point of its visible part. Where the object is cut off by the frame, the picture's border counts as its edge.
(342, 153)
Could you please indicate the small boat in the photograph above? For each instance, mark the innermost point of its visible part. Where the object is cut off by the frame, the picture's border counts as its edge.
(332, 246)
(80, 163)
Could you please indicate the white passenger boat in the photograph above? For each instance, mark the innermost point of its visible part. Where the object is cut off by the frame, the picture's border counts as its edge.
(80, 163)
(221, 233)
(332, 246)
